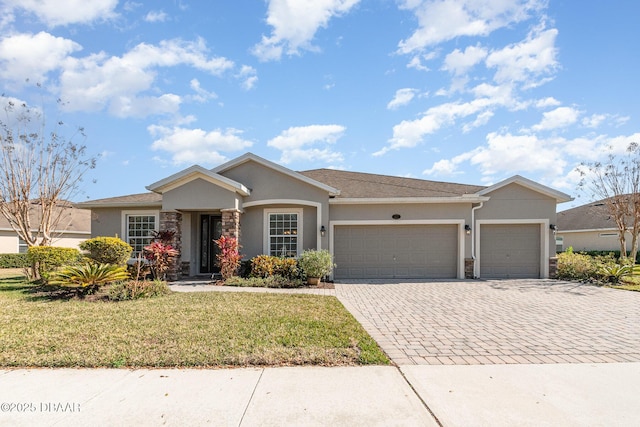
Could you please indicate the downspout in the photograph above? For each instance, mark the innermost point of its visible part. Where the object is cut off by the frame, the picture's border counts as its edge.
(473, 238)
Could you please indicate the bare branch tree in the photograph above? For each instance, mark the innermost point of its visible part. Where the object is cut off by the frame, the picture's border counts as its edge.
(617, 183)
(39, 171)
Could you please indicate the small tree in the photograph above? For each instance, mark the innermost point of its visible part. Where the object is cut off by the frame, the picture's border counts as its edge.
(160, 257)
(229, 256)
(617, 182)
(39, 171)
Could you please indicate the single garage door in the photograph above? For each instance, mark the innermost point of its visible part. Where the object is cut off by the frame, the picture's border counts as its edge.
(509, 251)
(396, 251)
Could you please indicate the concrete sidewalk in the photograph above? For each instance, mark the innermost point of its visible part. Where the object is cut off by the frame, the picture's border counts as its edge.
(475, 395)
(288, 396)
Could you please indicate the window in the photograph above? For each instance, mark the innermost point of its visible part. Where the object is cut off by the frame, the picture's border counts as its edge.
(138, 230)
(284, 229)
(22, 246)
(559, 244)
(608, 234)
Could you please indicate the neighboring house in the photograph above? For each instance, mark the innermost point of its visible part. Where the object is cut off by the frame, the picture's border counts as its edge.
(376, 226)
(589, 227)
(74, 227)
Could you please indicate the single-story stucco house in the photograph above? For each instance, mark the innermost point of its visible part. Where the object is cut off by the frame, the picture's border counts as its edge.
(74, 227)
(375, 226)
(589, 227)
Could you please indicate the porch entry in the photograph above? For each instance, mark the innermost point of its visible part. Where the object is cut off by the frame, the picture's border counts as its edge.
(210, 230)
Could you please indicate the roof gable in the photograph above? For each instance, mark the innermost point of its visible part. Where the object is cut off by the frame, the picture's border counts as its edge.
(194, 172)
(250, 157)
(559, 196)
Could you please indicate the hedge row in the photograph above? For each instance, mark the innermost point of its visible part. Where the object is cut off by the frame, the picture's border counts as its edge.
(14, 261)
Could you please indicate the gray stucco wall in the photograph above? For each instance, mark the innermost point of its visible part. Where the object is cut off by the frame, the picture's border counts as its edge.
(108, 221)
(515, 202)
(199, 195)
(252, 228)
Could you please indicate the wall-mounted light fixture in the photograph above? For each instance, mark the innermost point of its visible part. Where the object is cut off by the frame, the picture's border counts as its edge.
(553, 227)
(467, 228)
(396, 216)
(323, 231)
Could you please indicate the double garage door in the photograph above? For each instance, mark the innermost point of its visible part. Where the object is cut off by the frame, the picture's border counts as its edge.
(396, 251)
(431, 251)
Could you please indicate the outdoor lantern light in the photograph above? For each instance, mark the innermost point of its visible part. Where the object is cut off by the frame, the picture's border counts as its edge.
(322, 230)
(553, 227)
(395, 216)
(467, 228)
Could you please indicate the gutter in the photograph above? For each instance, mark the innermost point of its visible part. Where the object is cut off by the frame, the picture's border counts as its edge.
(473, 238)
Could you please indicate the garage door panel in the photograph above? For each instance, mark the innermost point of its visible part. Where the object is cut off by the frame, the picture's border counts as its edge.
(396, 251)
(510, 251)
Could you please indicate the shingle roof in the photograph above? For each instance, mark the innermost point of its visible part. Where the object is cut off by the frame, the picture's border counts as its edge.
(367, 185)
(590, 216)
(131, 199)
(72, 220)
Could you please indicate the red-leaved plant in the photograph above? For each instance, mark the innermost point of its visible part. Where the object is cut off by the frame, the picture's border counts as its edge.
(159, 256)
(229, 256)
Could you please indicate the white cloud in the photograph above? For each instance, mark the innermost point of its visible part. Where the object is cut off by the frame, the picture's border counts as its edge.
(249, 77)
(402, 97)
(156, 16)
(55, 12)
(295, 143)
(197, 145)
(32, 56)
(459, 62)
(409, 133)
(559, 118)
(509, 154)
(202, 95)
(439, 21)
(527, 61)
(547, 102)
(98, 81)
(295, 23)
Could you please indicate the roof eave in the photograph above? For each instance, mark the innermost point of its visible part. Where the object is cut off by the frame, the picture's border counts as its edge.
(407, 200)
(532, 185)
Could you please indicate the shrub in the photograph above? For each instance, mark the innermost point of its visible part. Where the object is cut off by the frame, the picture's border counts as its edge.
(47, 259)
(316, 263)
(613, 273)
(267, 265)
(107, 250)
(274, 281)
(14, 261)
(160, 258)
(229, 256)
(574, 266)
(89, 276)
(135, 289)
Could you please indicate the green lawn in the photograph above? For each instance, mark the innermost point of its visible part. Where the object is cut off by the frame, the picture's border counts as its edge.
(207, 329)
(629, 283)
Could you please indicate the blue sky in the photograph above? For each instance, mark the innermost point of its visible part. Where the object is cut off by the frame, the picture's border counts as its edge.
(468, 91)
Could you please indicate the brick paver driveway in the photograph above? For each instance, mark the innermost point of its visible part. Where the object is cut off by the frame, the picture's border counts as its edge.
(494, 322)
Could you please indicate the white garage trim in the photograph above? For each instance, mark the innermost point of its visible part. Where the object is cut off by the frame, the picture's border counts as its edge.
(544, 241)
(460, 223)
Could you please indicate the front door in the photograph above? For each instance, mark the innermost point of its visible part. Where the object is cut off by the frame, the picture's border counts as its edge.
(210, 230)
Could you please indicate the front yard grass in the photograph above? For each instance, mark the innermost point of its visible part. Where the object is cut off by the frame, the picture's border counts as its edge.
(629, 283)
(208, 329)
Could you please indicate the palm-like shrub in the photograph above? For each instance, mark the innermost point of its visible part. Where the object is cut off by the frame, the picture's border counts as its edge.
(89, 275)
(613, 273)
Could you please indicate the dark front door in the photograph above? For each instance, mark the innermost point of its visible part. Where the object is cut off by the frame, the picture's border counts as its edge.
(210, 230)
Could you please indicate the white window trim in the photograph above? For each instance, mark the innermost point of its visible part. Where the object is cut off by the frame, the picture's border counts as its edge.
(125, 214)
(267, 212)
